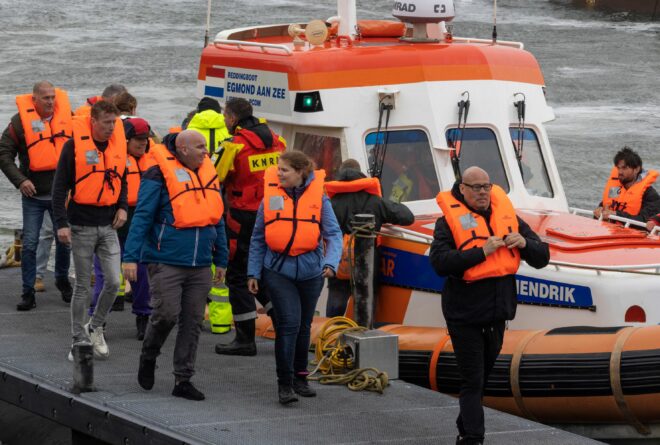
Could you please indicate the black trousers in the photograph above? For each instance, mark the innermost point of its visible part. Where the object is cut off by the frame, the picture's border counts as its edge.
(476, 348)
(239, 225)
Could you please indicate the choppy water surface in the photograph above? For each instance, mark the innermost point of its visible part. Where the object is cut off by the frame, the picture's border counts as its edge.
(601, 70)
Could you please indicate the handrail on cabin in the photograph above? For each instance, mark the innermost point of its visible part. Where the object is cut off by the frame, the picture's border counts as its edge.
(512, 44)
(636, 269)
(262, 46)
(626, 221)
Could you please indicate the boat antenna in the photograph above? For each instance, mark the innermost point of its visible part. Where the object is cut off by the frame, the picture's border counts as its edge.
(494, 22)
(456, 139)
(520, 106)
(208, 23)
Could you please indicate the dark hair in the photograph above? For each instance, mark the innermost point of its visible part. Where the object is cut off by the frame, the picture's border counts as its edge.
(350, 163)
(239, 107)
(298, 161)
(629, 157)
(103, 106)
(125, 102)
(188, 118)
(113, 90)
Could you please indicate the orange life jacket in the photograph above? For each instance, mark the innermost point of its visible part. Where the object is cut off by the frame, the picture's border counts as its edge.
(471, 230)
(620, 199)
(44, 140)
(369, 185)
(86, 108)
(292, 228)
(176, 129)
(244, 187)
(134, 169)
(194, 195)
(98, 173)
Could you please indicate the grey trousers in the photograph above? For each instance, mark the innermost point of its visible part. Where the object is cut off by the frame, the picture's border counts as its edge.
(85, 242)
(178, 296)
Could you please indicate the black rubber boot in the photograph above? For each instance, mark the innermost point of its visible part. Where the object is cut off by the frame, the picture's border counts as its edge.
(64, 286)
(118, 305)
(146, 373)
(27, 301)
(141, 322)
(243, 344)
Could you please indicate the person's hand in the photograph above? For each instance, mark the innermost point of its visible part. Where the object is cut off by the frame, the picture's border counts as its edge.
(328, 272)
(219, 274)
(650, 225)
(253, 285)
(598, 212)
(27, 188)
(515, 240)
(64, 235)
(120, 219)
(606, 214)
(492, 244)
(130, 271)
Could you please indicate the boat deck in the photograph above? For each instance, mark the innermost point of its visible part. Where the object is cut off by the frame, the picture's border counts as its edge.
(241, 403)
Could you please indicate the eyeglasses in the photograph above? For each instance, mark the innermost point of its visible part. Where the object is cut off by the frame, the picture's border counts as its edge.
(477, 187)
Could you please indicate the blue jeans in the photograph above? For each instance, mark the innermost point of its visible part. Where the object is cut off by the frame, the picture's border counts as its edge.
(33, 216)
(294, 303)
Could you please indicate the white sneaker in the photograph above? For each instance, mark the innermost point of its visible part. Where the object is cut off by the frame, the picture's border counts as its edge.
(98, 341)
(70, 357)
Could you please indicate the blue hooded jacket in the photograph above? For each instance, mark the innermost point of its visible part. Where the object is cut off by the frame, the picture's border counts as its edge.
(153, 239)
(304, 266)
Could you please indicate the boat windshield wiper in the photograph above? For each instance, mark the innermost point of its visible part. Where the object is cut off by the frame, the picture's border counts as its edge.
(456, 139)
(518, 146)
(380, 148)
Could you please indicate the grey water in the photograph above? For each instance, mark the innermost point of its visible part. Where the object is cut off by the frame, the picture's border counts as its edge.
(601, 70)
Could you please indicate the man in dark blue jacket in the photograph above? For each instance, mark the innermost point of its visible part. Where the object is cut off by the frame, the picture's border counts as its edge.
(178, 235)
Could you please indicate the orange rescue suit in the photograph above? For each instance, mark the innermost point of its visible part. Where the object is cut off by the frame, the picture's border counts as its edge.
(44, 140)
(471, 230)
(292, 227)
(134, 169)
(98, 173)
(618, 198)
(369, 185)
(194, 195)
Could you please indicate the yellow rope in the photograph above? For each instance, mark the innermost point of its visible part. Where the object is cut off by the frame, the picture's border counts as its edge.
(334, 359)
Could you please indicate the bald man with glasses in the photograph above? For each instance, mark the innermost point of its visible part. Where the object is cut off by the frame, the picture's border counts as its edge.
(478, 244)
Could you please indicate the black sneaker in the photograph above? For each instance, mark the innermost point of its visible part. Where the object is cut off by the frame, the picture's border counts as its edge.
(146, 372)
(302, 388)
(27, 301)
(64, 286)
(187, 391)
(286, 395)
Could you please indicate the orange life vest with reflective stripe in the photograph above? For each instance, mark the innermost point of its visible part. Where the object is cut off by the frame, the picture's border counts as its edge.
(471, 230)
(44, 140)
(620, 199)
(292, 227)
(134, 169)
(86, 108)
(369, 185)
(98, 173)
(194, 195)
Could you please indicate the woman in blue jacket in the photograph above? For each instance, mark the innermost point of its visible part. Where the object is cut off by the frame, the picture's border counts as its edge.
(296, 244)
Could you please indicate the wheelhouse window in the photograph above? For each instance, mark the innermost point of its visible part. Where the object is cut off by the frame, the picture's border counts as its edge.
(325, 151)
(408, 172)
(533, 169)
(478, 147)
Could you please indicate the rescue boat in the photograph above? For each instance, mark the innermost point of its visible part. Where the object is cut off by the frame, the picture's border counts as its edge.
(415, 105)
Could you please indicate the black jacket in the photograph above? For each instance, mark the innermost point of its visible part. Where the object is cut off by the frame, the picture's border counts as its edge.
(80, 214)
(483, 301)
(12, 144)
(346, 205)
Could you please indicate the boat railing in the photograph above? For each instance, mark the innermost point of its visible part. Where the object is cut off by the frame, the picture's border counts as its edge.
(641, 269)
(263, 46)
(627, 222)
(512, 44)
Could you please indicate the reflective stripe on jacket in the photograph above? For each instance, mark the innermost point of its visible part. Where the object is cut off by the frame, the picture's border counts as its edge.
(194, 195)
(618, 198)
(470, 230)
(98, 173)
(44, 140)
(369, 185)
(292, 225)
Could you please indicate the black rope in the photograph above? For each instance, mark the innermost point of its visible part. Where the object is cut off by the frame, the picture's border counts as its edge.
(455, 149)
(520, 107)
(380, 149)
